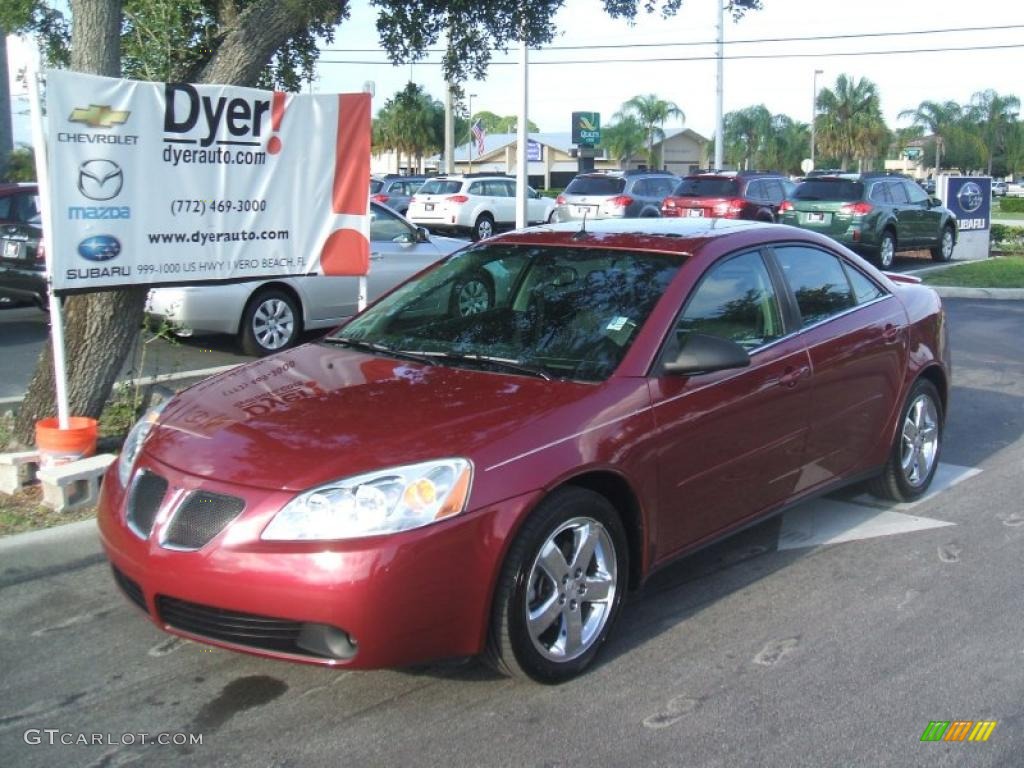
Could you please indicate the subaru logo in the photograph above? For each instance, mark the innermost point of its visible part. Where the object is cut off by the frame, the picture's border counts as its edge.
(970, 197)
(100, 179)
(99, 248)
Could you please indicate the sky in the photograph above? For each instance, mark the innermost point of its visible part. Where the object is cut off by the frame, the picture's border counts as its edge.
(780, 83)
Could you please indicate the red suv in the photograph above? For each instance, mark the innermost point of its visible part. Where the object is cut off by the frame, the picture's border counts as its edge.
(754, 195)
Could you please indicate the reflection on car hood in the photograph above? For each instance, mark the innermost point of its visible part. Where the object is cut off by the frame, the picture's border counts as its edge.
(318, 412)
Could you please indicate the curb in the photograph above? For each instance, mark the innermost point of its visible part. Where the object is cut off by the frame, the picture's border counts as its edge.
(36, 554)
(957, 292)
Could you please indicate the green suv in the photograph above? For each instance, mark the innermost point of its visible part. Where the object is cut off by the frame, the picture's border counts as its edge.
(875, 214)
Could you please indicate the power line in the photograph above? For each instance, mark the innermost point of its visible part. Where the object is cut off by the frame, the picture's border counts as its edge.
(746, 41)
(740, 57)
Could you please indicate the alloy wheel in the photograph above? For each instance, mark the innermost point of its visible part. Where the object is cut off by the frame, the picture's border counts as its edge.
(273, 324)
(920, 440)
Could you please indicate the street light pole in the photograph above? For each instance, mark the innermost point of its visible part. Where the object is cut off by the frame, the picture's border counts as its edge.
(814, 109)
(719, 120)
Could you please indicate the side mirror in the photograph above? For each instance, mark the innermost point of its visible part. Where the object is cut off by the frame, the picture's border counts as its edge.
(422, 235)
(701, 353)
(934, 202)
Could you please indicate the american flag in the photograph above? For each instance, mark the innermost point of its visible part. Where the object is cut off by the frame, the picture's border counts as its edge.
(479, 133)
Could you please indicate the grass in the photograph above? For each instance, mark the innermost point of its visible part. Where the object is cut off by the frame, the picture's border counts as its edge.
(24, 512)
(999, 272)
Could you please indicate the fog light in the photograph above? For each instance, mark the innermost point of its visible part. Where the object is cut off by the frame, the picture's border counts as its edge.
(327, 641)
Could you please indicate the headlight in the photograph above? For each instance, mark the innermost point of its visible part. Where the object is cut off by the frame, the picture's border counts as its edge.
(133, 443)
(387, 501)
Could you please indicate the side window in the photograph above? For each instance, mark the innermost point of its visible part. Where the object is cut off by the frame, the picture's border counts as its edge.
(664, 188)
(898, 192)
(641, 188)
(915, 193)
(477, 188)
(880, 193)
(776, 192)
(863, 289)
(817, 280)
(755, 190)
(508, 189)
(735, 300)
(388, 227)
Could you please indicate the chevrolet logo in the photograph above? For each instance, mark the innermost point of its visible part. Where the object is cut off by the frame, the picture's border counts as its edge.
(97, 116)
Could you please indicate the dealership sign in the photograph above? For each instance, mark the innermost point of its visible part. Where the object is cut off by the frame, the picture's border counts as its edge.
(586, 128)
(178, 183)
(970, 199)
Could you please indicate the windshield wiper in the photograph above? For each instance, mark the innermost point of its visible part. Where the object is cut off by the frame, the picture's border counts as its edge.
(507, 363)
(383, 349)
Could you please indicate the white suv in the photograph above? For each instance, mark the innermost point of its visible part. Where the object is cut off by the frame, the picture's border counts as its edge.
(479, 204)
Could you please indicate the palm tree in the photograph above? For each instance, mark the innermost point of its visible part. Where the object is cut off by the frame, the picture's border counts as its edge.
(746, 132)
(786, 144)
(623, 139)
(937, 119)
(849, 125)
(408, 123)
(995, 115)
(652, 113)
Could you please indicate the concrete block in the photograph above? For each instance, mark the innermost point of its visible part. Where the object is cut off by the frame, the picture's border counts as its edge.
(17, 470)
(76, 484)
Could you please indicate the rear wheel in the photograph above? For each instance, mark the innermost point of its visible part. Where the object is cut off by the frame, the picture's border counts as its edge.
(271, 322)
(471, 295)
(560, 588)
(944, 250)
(915, 452)
(887, 249)
(484, 227)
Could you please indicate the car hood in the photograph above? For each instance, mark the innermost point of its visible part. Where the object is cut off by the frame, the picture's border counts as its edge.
(320, 412)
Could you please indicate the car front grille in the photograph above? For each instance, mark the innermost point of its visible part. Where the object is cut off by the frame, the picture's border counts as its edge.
(144, 502)
(131, 589)
(201, 517)
(250, 630)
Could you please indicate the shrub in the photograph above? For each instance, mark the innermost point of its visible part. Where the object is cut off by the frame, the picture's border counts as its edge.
(1006, 236)
(1012, 205)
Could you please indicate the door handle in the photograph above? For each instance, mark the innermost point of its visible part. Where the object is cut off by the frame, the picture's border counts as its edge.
(792, 376)
(891, 333)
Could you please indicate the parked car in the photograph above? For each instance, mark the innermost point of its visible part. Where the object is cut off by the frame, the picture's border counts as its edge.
(614, 195)
(754, 195)
(999, 188)
(394, 190)
(420, 484)
(479, 204)
(270, 315)
(874, 214)
(22, 256)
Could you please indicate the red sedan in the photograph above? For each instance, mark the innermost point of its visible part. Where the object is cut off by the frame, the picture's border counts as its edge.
(425, 483)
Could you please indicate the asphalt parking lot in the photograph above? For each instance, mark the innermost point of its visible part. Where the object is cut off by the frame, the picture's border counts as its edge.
(772, 648)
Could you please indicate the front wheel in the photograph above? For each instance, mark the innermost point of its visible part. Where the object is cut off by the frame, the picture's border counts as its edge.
(944, 250)
(271, 322)
(915, 452)
(560, 588)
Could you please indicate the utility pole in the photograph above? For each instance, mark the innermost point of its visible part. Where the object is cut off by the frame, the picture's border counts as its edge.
(449, 131)
(719, 88)
(522, 175)
(814, 109)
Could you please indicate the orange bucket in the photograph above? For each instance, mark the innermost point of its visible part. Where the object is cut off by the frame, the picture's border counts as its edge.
(61, 446)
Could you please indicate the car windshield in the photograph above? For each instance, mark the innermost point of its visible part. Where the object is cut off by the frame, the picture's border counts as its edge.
(550, 311)
(440, 187)
(596, 185)
(839, 190)
(706, 188)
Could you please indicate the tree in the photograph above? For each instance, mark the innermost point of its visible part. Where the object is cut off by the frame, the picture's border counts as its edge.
(493, 123)
(652, 113)
(937, 119)
(408, 122)
(850, 124)
(786, 144)
(623, 139)
(746, 133)
(234, 42)
(995, 115)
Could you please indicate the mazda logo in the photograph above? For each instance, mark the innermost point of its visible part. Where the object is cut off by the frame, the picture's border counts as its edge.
(99, 248)
(970, 197)
(100, 179)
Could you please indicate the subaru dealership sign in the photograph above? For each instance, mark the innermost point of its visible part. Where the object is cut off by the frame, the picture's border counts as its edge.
(970, 198)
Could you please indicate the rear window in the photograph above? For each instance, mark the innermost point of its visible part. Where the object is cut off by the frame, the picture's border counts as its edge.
(376, 185)
(706, 188)
(440, 187)
(840, 190)
(596, 185)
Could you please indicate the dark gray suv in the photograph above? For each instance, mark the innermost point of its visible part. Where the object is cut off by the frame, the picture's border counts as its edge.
(394, 191)
(614, 195)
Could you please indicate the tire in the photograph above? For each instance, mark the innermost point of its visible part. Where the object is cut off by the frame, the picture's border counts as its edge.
(944, 250)
(484, 227)
(271, 323)
(471, 295)
(887, 249)
(915, 451)
(562, 639)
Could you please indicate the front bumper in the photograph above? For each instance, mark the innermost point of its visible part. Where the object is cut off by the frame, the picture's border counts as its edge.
(203, 309)
(400, 599)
